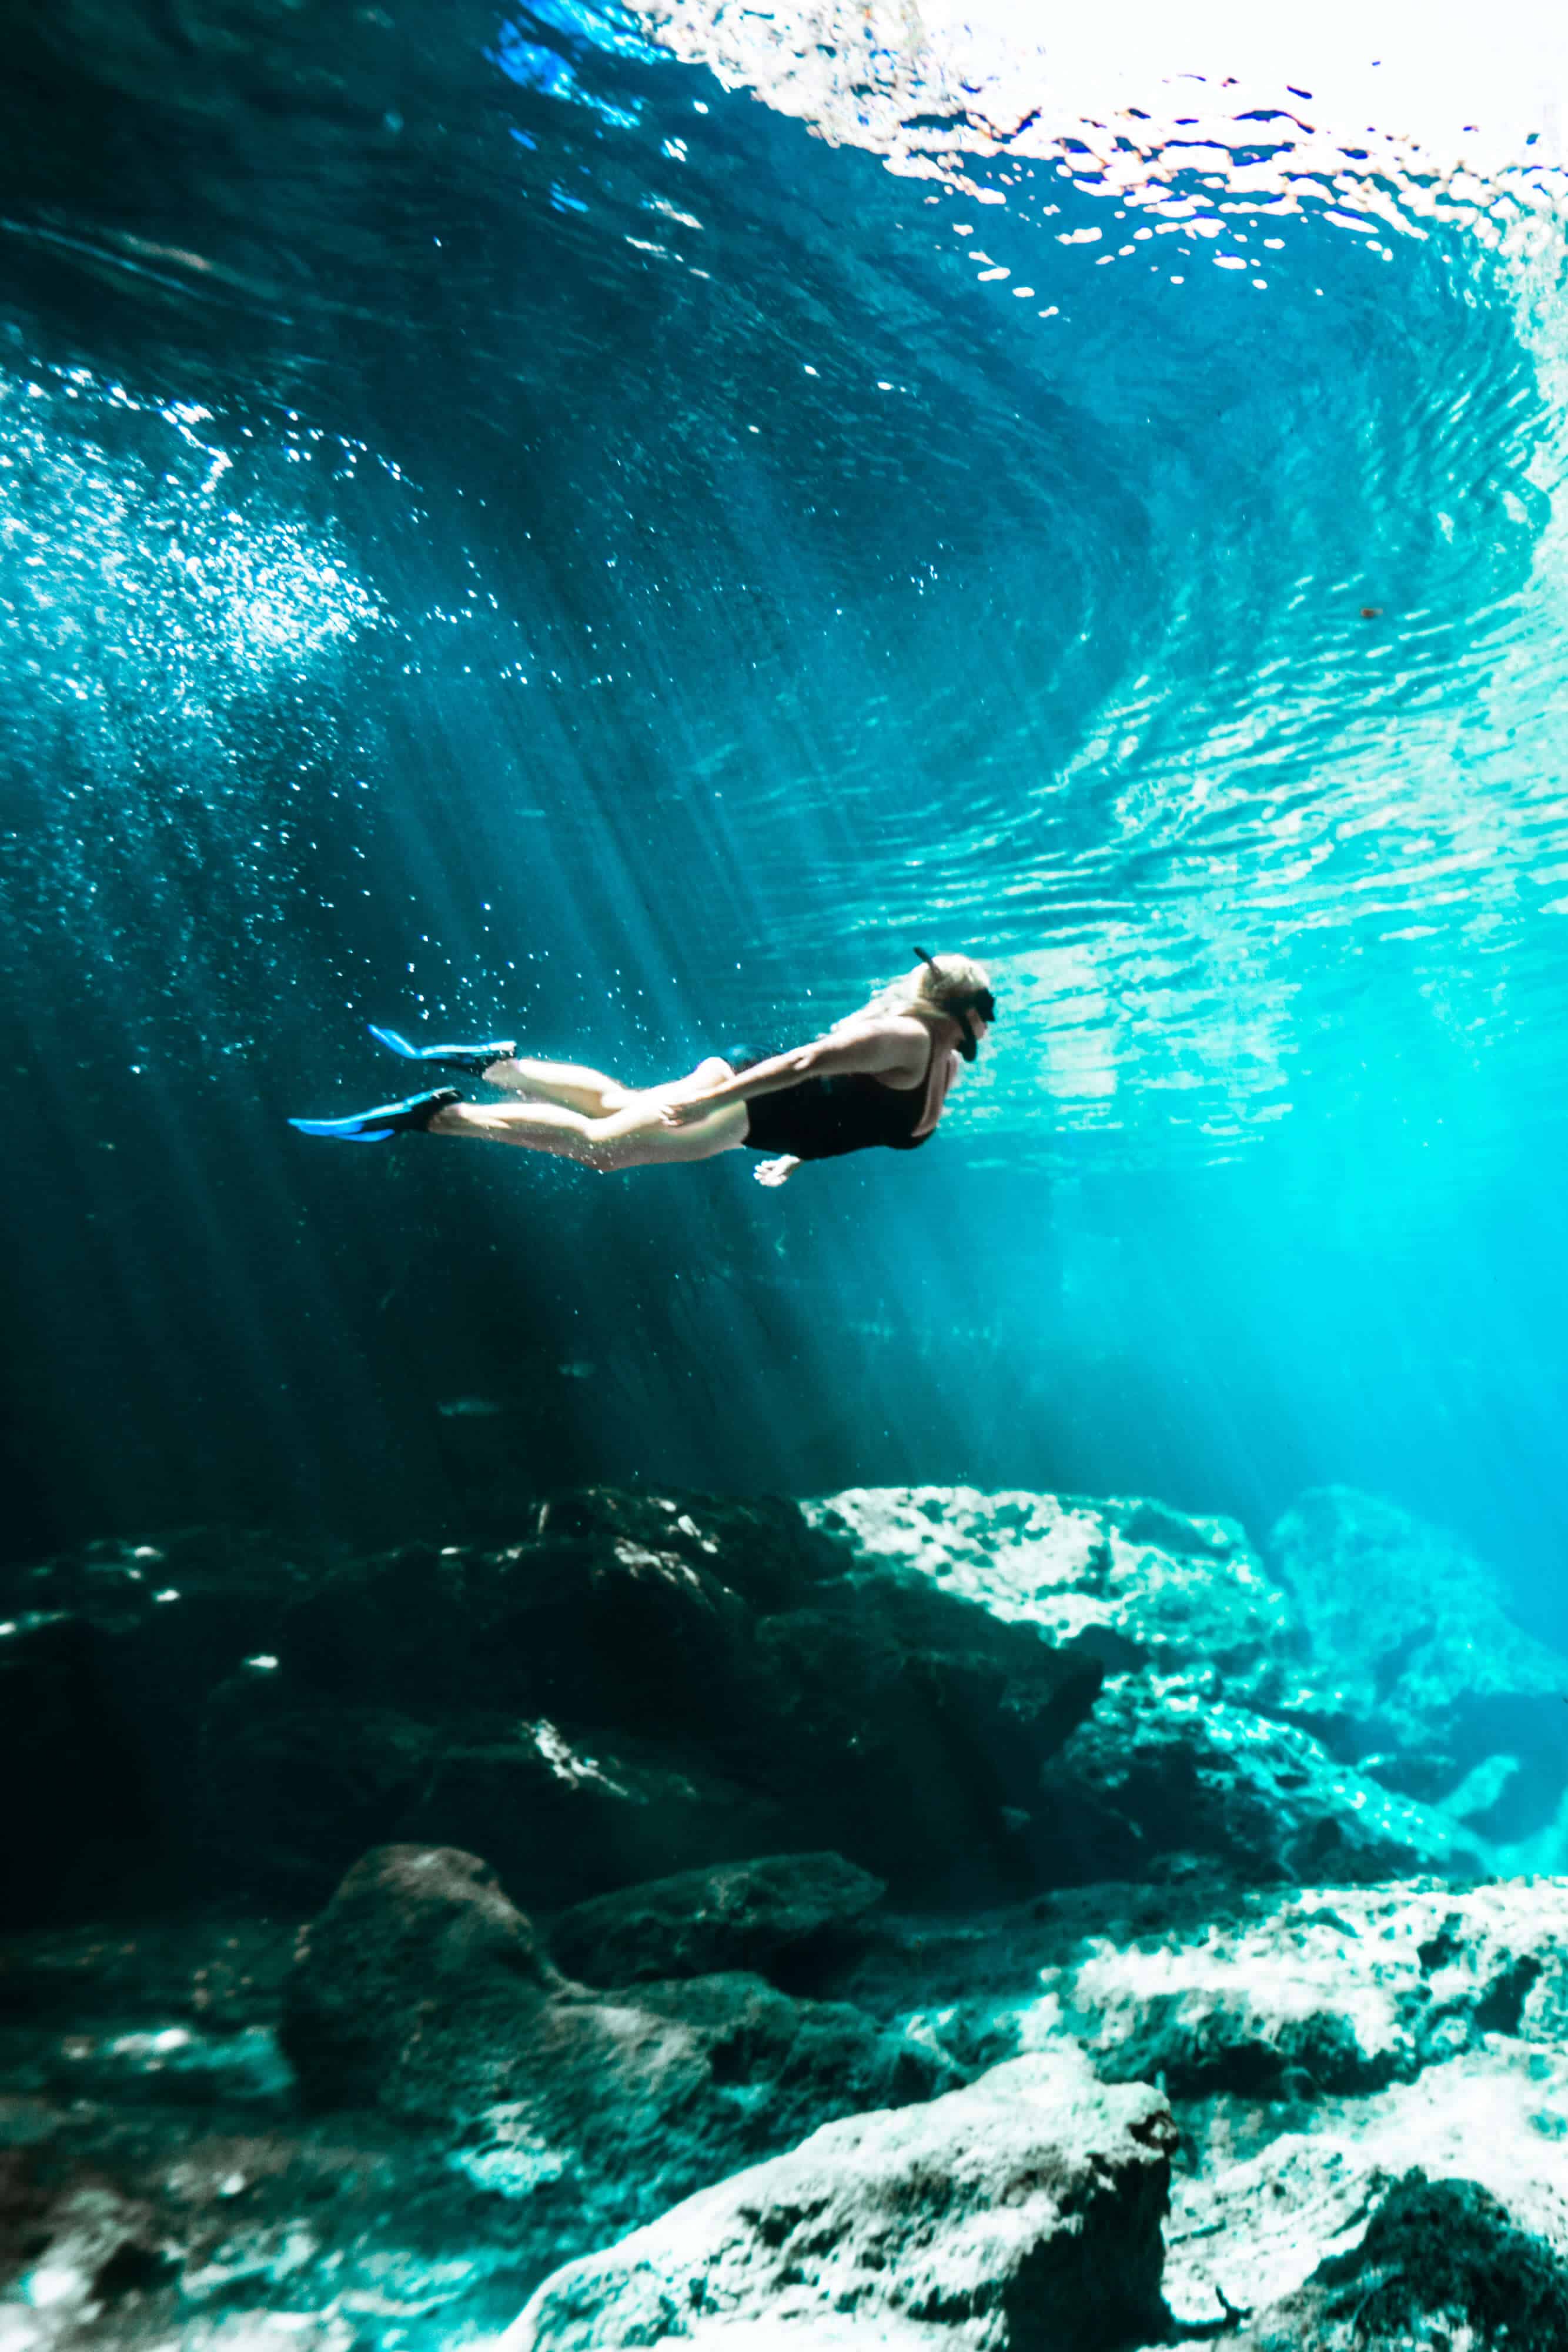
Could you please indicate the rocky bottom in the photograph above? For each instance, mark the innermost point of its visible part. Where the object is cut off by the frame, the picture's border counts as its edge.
(762, 2112)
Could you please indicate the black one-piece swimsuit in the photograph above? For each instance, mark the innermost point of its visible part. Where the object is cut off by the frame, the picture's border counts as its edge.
(822, 1118)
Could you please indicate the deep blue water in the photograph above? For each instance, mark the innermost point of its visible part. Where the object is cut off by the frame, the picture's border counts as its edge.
(501, 529)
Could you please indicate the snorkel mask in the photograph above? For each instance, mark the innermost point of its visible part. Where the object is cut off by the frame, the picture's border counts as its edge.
(978, 1000)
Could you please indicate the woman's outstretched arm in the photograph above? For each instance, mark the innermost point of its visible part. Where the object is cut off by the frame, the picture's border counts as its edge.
(884, 1048)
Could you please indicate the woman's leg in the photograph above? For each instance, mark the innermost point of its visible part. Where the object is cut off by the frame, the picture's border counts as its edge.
(576, 1089)
(632, 1137)
(567, 1083)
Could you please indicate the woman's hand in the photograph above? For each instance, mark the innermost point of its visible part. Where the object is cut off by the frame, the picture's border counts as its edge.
(774, 1172)
(682, 1107)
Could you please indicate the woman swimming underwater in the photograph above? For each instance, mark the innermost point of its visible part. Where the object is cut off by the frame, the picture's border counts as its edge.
(879, 1076)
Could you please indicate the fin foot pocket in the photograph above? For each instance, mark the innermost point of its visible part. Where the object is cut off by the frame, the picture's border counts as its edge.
(472, 1060)
(410, 1118)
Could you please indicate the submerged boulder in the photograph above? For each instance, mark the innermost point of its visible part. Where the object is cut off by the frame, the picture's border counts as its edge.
(1441, 2261)
(1319, 1994)
(644, 1685)
(1165, 1766)
(421, 1990)
(1024, 2212)
(636, 1690)
(418, 1947)
(1441, 1693)
(737, 1915)
(1133, 1580)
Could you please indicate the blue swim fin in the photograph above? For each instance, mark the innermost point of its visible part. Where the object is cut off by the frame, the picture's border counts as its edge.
(410, 1118)
(472, 1060)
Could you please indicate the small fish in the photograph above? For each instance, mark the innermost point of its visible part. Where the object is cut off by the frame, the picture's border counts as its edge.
(577, 1370)
(468, 1408)
(1372, 612)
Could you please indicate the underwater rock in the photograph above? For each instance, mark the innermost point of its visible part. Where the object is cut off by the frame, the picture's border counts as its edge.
(1024, 2210)
(1166, 1767)
(1317, 2049)
(1133, 1581)
(909, 1730)
(638, 1689)
(1413, 1630)
(600, 1624)
(1440, 2260)
(421, 1990)
(418, 1944)
(1274, 2016)
(1314, 2045)
(646, 1684)
(563, 1816)
(737, 1915)
(1317, 1995)
(1272, 2191)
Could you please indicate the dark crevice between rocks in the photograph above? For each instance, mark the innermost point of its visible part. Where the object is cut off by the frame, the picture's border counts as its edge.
(1501, 2008)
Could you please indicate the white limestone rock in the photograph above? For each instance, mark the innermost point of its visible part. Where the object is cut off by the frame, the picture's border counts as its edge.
(1134, 1579)
(1319, 1994)
(1249, 2232)
(1023, 2213)
(1318, 2045)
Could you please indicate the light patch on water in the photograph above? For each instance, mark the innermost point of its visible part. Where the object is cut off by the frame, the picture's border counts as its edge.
(1393, 114)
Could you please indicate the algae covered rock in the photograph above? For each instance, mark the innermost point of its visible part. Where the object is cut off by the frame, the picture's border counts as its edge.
(421, 1990)
(1167, 1767)
(737, 1915)
(1441, 2260)
(1024, 2210)
(418, 1942)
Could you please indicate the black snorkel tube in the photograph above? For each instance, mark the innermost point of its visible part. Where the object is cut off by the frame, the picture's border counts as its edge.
(978, 1000)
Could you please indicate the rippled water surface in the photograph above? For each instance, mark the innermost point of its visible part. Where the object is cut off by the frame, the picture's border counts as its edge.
(607, 522)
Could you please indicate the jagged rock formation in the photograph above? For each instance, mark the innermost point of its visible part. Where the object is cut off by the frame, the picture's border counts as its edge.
(1021, 2213)
(1379, 1640)
(1316, 2046)
(1436, 1690)
(421, 1990)
(633, 1689)
(1330, 1994)
(737, 1916)
(1165, 1766)
(701, 1738)
(642, 1687)
(1138, 1582)
(1440, 2260)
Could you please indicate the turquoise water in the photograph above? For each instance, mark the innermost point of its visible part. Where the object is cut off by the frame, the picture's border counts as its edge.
(526, 521)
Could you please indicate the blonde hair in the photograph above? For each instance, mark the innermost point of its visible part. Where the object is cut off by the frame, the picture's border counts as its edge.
(932, 987)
